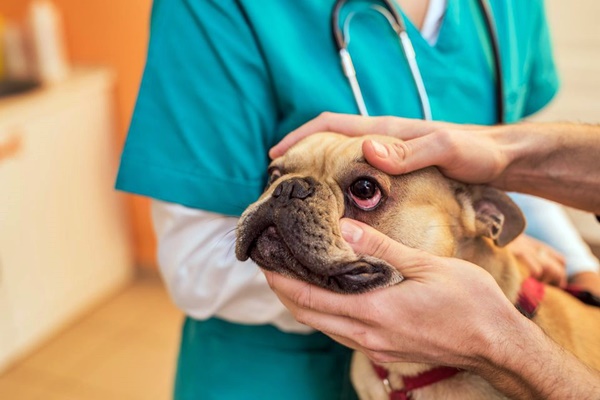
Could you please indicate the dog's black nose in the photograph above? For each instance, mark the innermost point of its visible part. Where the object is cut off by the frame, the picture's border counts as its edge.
(294, 188)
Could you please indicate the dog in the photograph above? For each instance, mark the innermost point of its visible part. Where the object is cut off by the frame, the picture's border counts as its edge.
(293, 229)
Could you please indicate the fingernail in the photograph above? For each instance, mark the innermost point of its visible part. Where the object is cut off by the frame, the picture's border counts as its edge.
(380, 149)
(351, 232)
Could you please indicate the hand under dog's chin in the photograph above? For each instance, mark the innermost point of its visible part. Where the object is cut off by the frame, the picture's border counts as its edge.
(358, 275)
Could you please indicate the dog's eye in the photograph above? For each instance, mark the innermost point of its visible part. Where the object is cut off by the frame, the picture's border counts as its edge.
(365, 193)
(364, 189)
(274, 174)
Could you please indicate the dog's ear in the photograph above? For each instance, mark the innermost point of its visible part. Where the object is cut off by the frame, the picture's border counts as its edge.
(496, 215)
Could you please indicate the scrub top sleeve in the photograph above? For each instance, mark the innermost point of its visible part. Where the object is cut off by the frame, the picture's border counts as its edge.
(205, 115)
(543, 77)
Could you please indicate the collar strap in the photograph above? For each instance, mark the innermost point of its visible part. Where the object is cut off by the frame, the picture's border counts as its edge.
(583, 295)
(530, 296)
(411, 383)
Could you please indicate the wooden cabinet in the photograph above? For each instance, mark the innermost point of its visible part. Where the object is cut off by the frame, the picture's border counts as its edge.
(64, 242)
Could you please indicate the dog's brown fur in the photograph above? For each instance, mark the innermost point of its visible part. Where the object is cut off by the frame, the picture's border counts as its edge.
(293, 229)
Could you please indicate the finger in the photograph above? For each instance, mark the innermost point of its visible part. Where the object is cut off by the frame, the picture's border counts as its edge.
(367, 240)
(564, 282)
(373, 354)
(532, 264)
(554, 275)
(553, 265)
(351, 333)
(403, 157)
(346, 341)
(355, 125)
(297, 296)
(558, 257)
(325, 122)
(343, 329)
(438, 148)
(553, 271)
(546, 252)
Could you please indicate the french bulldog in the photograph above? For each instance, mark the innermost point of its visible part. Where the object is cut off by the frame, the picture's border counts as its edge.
(293, 229)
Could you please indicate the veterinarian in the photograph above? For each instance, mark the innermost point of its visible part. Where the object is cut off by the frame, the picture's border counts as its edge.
(226, 80)
(467, 322)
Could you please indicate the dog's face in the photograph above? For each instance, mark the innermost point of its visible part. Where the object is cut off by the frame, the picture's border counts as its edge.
(294, 228)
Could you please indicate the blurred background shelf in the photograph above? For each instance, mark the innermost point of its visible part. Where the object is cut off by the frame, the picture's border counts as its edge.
(64, 238)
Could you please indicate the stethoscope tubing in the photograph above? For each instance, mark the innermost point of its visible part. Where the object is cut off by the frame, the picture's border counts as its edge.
(397, 23)
(493, 32)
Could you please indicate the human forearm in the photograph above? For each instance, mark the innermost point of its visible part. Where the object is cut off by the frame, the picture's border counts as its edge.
(558, 161)
(523, 363)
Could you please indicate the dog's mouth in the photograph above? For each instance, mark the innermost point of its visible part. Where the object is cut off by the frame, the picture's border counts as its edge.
(309, 262)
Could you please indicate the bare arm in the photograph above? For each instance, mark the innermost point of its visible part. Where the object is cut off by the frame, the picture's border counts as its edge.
(482, 330)
(527, 364)
(558, 161)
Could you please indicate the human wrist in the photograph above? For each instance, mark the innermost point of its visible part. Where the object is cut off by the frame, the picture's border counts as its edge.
(518, 144)
(503, 353)
(517, 350)
(494, 337)
(552, 160)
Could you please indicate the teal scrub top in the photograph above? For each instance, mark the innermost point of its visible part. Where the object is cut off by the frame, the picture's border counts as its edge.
(225, 80)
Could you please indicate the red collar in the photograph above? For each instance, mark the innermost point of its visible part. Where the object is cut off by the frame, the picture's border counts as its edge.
(530, 296)
(411, 383)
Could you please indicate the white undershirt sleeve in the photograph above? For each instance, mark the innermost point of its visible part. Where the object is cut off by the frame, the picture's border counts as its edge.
(196, 256)
(548, 221)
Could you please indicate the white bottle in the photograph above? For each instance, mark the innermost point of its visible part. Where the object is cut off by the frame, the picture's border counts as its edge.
(47, 42)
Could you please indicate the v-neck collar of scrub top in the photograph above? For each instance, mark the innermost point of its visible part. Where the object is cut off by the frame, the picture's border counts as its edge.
(434, 16)
(447, 39)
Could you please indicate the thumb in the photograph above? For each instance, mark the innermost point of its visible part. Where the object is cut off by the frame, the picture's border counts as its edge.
(368, 241)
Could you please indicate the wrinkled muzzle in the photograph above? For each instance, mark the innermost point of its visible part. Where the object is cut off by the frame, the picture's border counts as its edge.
(293, 229)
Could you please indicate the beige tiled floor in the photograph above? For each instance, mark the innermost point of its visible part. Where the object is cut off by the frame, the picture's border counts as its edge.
(126, 349)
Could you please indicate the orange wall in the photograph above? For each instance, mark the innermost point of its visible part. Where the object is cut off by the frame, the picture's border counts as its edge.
(113, 33)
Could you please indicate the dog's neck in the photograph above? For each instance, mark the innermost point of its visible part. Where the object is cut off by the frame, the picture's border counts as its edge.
(499, 262)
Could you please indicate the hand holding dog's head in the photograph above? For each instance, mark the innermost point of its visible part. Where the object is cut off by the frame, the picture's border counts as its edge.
(294, 227)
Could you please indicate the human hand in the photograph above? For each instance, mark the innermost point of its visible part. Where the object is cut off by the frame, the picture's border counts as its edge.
(446, 311)
(544, 263)
(467, 153)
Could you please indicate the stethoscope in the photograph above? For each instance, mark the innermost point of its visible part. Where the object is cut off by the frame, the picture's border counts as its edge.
(387, 9)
